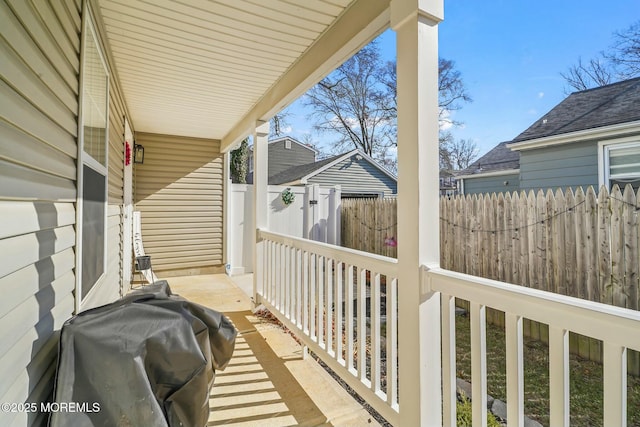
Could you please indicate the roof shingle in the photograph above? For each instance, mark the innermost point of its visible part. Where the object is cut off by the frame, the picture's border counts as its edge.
(602, 106)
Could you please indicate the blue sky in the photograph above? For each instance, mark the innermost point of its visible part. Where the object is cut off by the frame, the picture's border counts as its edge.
(510, 54)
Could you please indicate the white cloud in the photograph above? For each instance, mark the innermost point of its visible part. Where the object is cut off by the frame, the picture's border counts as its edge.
(540, 95)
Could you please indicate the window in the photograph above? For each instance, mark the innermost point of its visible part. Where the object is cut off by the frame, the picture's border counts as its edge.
(287, 144)
(93, 153)
(620, 163)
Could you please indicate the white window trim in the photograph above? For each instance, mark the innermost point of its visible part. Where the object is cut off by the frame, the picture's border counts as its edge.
(603, 155)
(88, 26)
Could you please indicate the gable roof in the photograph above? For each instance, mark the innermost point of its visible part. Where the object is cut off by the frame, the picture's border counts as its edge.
(300, 174)
(608, 105)
(499, 158)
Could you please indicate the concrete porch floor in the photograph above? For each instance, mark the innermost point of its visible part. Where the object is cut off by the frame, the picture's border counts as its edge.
(267, 382)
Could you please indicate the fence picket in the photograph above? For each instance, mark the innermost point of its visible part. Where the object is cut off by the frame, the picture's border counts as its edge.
(570, 258)
(604, 248)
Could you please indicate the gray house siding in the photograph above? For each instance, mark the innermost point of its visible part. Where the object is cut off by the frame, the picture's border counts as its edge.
(39, 90)
(492, 184)
(567, 165)
(281, 158)
(356, 177)
(40, 69)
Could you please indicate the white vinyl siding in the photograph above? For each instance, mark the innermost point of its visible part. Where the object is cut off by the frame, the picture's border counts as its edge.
(179, 190)
(40, 63)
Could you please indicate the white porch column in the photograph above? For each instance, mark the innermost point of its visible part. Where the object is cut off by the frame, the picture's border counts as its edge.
(260, 202)
(415, 23)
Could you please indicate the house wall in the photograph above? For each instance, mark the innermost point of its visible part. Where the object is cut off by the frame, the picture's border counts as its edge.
(281, 158)
(40, 70)
(567, 165)
(356, 176)
(39, 91)
(179, 192)
(492, 184)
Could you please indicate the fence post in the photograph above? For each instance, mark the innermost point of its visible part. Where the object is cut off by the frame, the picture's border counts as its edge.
(333, 219)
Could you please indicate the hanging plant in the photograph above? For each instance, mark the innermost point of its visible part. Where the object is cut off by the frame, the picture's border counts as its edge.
(288, 197)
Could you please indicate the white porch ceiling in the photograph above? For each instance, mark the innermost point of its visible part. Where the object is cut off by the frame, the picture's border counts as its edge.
(199, 67)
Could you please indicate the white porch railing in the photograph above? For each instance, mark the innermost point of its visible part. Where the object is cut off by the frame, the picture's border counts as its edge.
(332, 298)
(309, 285)
(617, 328)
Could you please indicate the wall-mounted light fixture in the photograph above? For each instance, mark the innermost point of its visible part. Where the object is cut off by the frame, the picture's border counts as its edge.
(138, 153)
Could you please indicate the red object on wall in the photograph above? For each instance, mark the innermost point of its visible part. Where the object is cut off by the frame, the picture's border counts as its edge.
(127, 153)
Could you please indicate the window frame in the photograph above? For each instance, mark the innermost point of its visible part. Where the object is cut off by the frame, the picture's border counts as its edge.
(604, 150)
(85, 159)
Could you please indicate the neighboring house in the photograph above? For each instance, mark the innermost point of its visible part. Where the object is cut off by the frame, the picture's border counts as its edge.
(284, 153)
(358, 174)
(497, 171)
(592, 138)
(448, 183)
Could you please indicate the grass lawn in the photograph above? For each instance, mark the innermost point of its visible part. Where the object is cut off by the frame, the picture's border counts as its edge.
(585, 378)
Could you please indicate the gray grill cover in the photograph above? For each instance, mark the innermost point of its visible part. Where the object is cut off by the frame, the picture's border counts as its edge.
(148, 359)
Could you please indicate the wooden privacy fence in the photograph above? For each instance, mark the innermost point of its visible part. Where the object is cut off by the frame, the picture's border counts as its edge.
(578, 243)
(370, 225)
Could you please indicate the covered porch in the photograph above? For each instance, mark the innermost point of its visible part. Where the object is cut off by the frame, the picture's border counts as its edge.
(270, 381)
(190, 79)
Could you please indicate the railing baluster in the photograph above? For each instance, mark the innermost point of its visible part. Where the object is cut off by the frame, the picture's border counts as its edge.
(479, 364)
(448, 360)
(392, 342)
(558, 376)
(282, 285)
(515, 370)
(270, 270)
(329, 307)
(305, 292)
(339, 311)
(615, 385)
(349, 319)
(320, 301)
(287, 282)
(375, 332)
(362, 324)
(298, 289)
(312, 297)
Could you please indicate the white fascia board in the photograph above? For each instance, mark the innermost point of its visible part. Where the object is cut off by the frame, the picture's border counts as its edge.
(360, 23)
(595, 133)
(489, 174)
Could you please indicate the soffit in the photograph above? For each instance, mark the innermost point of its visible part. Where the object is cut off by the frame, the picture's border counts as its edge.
(196, 67)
